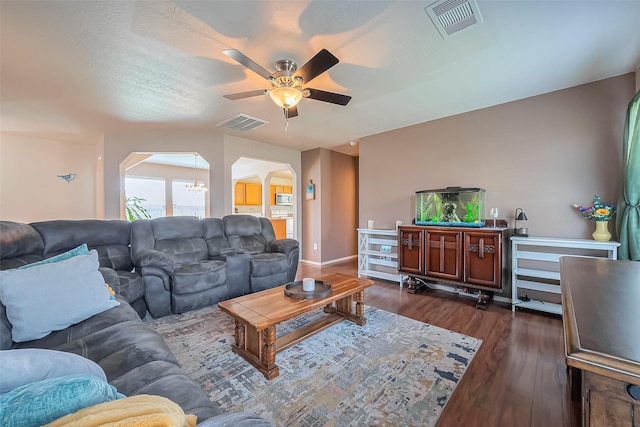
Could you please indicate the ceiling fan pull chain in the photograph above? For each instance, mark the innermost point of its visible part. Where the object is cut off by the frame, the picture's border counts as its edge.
(286, 119)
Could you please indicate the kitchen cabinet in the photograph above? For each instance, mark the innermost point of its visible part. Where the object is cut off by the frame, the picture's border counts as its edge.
(253, 194)
(471, 258)
(279, 227)
(248, 193)
(240, 198)
(277, 189)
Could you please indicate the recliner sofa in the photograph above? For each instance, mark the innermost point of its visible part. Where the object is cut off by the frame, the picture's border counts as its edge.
(188, 263)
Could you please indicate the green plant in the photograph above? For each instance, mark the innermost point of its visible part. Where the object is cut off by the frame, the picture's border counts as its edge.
(135, 210)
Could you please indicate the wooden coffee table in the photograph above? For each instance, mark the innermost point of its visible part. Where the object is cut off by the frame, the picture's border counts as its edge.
(256, 316)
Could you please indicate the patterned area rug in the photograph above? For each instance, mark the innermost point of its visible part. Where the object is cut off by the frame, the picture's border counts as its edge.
(393, 371)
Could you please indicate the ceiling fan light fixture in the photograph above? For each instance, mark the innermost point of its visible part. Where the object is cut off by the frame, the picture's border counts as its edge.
(286, 97)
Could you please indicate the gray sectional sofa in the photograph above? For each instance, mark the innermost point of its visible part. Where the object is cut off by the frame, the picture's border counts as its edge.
(188, 263)
(166, 265)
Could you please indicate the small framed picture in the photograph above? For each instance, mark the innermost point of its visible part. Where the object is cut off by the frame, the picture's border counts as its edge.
(311, 191)
(385, 249)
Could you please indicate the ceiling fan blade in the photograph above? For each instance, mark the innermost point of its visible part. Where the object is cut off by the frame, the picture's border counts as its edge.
(249, 94)
(293, 112)
(317, 65)
(334, 98)
(247, 62)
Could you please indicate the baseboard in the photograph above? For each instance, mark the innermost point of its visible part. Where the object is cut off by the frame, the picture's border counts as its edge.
(333, 261)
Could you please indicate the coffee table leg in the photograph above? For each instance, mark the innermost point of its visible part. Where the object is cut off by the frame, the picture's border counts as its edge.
(271, 370)
(240, 335)
(360, 319)
(257, 348)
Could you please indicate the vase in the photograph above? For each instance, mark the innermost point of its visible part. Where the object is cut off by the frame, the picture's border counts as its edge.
(602, 232)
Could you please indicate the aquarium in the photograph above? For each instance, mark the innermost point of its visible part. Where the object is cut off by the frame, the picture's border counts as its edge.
(451, 206)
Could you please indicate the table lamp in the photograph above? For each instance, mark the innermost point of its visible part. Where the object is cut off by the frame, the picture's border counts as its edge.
(520, 231)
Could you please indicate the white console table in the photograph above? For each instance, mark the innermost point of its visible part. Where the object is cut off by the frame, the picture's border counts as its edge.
(535, 268)
(378, 254)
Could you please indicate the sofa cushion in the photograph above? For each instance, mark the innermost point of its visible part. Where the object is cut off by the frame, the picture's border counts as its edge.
(213, 229)
(41, 402)
(245, 232)
(110, 237)
(24, 366)
(198, 276)
(268, 264)
(20, 244)
(51, 297)
(80, 250)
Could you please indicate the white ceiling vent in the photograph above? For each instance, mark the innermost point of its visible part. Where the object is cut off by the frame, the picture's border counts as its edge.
(451, 16)
(242, 123)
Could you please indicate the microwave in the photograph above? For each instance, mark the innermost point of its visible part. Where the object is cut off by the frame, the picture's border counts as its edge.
(283, 199)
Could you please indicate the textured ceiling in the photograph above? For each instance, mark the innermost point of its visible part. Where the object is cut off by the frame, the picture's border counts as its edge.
(73, 70)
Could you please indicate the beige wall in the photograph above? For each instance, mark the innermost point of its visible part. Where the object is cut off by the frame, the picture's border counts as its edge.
(29, 187)
(542, 154)
(311, 209)
(330, 220)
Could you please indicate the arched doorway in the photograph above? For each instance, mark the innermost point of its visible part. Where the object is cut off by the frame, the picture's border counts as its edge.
(165, 184)
(268, 179)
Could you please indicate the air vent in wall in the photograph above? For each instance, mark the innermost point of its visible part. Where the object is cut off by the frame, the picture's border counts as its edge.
(451, 16)
(242, 123)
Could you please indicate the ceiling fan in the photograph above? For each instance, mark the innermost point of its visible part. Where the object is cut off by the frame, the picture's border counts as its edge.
(288, 82)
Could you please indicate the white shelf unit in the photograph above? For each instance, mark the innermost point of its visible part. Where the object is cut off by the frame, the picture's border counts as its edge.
(535, 267)
(373, 259)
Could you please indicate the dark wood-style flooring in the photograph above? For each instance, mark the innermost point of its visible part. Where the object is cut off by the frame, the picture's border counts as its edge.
(517, 378)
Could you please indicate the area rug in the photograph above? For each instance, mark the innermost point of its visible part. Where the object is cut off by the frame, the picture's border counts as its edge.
(393, 371)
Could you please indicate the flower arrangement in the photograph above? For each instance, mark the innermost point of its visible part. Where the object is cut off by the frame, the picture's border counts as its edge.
(599, 211)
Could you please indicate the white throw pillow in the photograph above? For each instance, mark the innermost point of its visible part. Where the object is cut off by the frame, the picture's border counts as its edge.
(28, 365)
(52, 297)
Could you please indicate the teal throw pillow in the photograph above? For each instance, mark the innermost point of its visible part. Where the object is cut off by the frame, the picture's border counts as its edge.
(42, 402)
(80, 250)
(52, 297)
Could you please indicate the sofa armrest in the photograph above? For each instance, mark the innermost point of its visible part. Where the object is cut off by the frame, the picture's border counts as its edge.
(284, 246)
(110, 277)
(153, 258)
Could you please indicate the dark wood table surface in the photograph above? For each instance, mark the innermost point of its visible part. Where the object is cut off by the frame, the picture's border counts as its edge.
(601, 315)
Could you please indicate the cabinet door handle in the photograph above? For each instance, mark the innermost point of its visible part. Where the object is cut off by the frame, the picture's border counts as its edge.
(481, 249)
(410, 241)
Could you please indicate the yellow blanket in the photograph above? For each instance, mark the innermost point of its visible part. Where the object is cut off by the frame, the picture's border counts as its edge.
(141, 411)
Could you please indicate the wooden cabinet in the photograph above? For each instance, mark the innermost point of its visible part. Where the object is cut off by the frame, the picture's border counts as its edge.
(469, 257)
(443, 251)
(482, 259)
(248, 193)
(608, 402)
(411, 250)
(600, 299)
